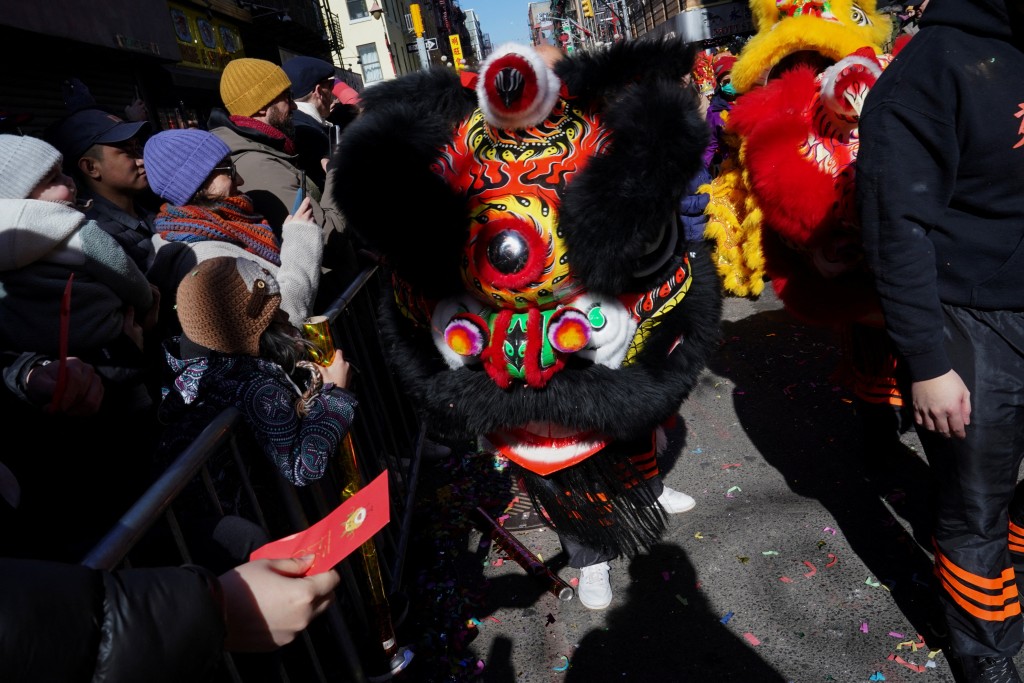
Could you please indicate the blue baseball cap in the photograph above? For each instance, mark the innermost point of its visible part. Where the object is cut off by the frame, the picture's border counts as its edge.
(78, 132)
(305, 72)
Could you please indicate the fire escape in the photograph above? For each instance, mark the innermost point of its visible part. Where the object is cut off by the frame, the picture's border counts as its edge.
(332, 31)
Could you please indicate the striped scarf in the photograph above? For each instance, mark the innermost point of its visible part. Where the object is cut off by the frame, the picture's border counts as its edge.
(231, 220)
(279, 138)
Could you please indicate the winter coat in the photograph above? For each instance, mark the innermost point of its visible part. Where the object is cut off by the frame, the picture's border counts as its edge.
(717, 149)
(66, 622)
(692, 205)
(204, 383)
(271, 178)
(134, 234)
(298, 275)
(41, 245)
(313, 144)
(940, 176)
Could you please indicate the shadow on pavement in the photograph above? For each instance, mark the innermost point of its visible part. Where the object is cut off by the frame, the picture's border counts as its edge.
(665, 631)
(805, 427)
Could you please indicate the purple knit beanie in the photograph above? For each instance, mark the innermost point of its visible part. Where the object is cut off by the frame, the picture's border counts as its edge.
(179, 161)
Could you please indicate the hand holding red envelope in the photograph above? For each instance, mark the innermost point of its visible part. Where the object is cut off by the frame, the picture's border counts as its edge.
(335, 536)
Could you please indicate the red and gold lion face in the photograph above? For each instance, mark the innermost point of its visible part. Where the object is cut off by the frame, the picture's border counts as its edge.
(543, 297)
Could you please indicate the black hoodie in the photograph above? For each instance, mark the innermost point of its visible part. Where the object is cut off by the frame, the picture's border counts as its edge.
(940, 175)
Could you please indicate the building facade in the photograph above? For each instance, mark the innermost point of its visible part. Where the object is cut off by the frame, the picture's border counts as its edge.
(708, 24)
(169, 53)
(380, 43)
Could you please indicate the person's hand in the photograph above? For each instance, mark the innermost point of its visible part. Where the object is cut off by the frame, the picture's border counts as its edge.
(268, 602)
(83, 388)
(153, 314)
(339, 372)
(942, 405)
(304, 214)
(136, 111)
(130, 328)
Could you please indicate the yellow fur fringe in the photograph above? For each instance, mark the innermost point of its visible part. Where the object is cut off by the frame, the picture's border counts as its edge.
(734, 223)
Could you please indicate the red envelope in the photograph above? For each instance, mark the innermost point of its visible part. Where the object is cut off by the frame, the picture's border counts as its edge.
(335, 536)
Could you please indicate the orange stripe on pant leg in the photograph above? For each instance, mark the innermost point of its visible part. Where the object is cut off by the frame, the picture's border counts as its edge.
(1008, 593)
(983, 614)
(974, 579)
(646, 464)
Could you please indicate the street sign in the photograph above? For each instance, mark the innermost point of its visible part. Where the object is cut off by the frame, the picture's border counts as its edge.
(431, 44)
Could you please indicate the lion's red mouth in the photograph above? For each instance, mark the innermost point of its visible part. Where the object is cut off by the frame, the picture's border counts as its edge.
(544, 447)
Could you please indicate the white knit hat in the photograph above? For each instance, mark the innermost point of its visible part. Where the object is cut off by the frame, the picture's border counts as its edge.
(24, 162)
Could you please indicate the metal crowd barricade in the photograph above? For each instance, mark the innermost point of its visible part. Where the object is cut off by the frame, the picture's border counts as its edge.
(386, 435)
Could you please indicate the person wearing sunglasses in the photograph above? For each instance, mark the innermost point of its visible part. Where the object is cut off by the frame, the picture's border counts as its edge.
(206, 216)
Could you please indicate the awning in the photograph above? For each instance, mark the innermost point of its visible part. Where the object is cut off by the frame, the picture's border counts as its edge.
(137, 26)
(187, 77)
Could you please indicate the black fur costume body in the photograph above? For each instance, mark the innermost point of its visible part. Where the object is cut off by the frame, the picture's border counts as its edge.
(544, 296)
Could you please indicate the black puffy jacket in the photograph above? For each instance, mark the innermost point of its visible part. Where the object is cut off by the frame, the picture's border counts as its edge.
(67, 623)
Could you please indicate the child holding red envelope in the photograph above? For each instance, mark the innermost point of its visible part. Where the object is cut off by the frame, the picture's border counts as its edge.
(238, 350)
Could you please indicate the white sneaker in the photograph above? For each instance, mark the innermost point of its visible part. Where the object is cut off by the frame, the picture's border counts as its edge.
(675, 502)
(595, 589)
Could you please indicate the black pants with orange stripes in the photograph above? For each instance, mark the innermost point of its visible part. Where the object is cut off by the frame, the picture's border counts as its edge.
(582, 555)
(979, 530)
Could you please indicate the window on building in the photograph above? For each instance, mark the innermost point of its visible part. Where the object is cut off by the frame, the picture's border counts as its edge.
(357, 9)
(371, 63)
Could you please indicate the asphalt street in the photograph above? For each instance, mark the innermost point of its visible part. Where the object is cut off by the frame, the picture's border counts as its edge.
(801, 561)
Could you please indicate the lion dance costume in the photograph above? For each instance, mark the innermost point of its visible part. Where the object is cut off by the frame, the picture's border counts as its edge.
(542, 296)
(783, 206)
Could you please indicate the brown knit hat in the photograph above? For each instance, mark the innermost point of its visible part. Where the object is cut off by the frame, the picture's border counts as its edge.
(247, 85)
(226, 303)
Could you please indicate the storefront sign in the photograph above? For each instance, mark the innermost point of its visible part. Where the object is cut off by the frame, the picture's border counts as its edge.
(456, 51)
(205, 43)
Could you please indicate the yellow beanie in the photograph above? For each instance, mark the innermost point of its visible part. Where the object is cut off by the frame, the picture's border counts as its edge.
(247, 85)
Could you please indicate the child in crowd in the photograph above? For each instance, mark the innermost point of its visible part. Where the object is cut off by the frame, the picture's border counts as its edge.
(236, 350)
(45, 241)
(71, 298)
(206, 216)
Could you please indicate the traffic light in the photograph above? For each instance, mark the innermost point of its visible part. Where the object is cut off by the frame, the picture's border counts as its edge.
(588, 9)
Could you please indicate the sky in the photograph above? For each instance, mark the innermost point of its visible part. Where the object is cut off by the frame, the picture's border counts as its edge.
(507, 21)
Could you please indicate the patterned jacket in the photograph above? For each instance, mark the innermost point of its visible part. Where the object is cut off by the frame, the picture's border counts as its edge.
(204, 386)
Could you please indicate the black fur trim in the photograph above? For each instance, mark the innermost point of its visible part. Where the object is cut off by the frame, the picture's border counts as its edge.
(568, 499)
(621, 200)
(622, 403)
(384, 185)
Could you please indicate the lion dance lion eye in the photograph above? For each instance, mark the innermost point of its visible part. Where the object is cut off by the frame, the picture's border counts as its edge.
(858, 16)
